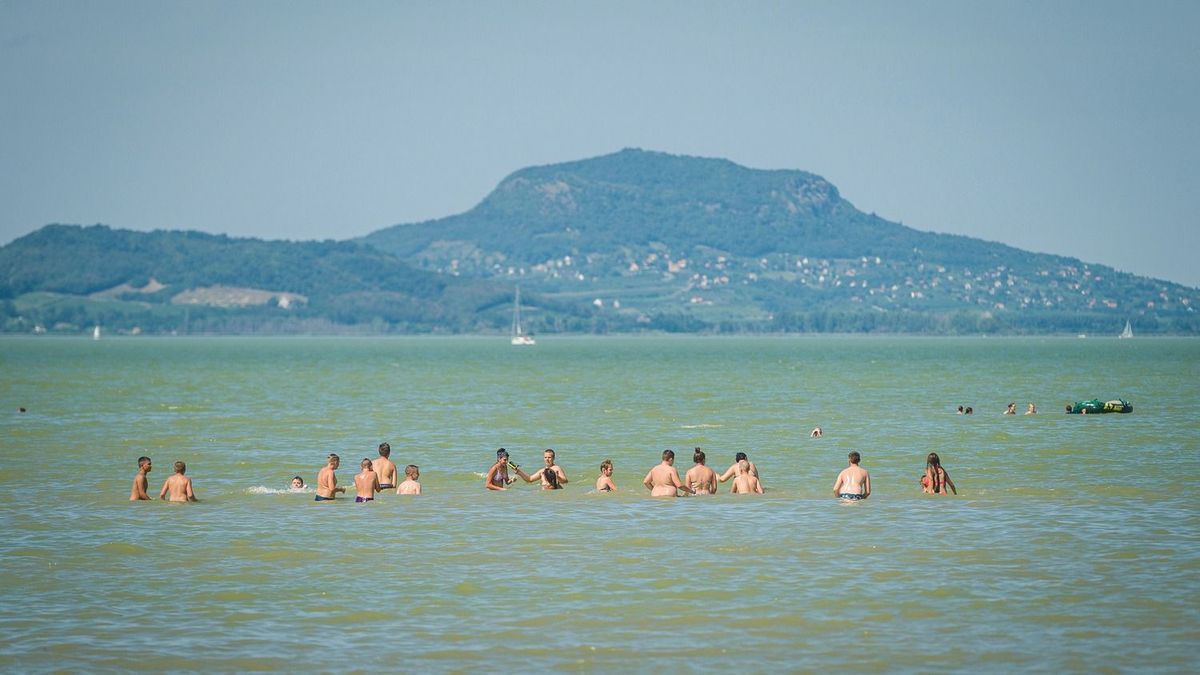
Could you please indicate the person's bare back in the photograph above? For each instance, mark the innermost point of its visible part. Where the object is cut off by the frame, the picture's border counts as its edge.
(853, 482)
(384, 467)
(178, 487)
(701, 479)
(745, 482)
(663, 480)
(366, 483)
(410, 486)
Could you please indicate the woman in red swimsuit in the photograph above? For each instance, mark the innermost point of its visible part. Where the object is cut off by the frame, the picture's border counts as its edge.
(936, 479)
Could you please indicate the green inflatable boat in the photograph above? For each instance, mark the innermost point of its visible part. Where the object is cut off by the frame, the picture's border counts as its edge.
(1098, 407)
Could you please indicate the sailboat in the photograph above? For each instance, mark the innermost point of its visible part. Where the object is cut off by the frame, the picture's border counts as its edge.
(1128, 332)
(518, 336)
(96, 333)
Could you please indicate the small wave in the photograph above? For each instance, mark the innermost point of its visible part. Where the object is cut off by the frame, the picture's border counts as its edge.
(701, 426)
(264, 490)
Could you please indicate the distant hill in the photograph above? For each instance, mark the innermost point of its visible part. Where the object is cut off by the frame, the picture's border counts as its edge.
(68, 278)
(653, 240)
(632, 241)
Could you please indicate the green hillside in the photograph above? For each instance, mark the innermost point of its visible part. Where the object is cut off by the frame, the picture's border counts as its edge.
(651, 240)
(69, 278)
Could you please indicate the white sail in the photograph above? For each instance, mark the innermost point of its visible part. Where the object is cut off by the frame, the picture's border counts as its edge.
(518, 334)
(96, 333)
(1128, 332)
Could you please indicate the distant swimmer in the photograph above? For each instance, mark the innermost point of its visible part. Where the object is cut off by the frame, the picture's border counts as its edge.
(663, 480)
(366, 483)
(497, 476)
(605, 482)
(969, 411)
(178, 486)
(733, 468)
(1031, 410)
(936, 479)
(1011, 409)
(410, 486)
(297, 483)
(745, 483)
(853, 483)
(816, 433)
(139, 492)
(960, 410)
(327, 480)
(551, 475)
(701, 479)
(385, 468)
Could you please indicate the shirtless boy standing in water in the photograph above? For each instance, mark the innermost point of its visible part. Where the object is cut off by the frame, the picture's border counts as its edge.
(410, 486)
(605, 482)
(327, 480)
(366, 483)
(733, 468)
(385, 468)
(139, 481)
(663, 480)
(745, 482)
(179, 486)
(853, 483)
(549, 482)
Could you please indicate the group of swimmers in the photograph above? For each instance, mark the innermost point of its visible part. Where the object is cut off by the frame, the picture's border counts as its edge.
(853, 483)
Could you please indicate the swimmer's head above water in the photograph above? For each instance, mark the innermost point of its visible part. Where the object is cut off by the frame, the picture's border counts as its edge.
(297, 483)
(668, 456)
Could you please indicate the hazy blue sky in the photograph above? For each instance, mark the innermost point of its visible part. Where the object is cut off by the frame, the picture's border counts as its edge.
(1063, 127)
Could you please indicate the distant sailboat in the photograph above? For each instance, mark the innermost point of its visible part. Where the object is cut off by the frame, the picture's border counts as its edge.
(96, 333)
(1128, 332)
(518, 335)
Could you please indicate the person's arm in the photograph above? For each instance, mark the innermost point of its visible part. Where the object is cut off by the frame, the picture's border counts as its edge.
(562, 475)
(679, 484)
(837, 486)
(375, 484)
(528, 478)
(757, 486)
(949, 482)
(163, 493)
(728, 473)
(647, 482)
(191, 496)
(487, 480)
(418, 489)
(867, 484)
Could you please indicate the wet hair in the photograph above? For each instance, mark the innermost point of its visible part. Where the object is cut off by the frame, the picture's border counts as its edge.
(606, 464)
(1069, 408)
(551, 477)
(932, 465)
(668, 454)
(970, 410)
(549, 450)
(385, 450)
(745, 464)
(411, 470)
(333, 455)
(366, 463)
(501, 453)
(740, 456)
(698, 456)
(855, 458)
(960, 408)
(143, 460)
(298, 478)
(180, 467)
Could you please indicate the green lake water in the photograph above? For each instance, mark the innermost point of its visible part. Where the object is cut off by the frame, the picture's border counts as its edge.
(1073, 544)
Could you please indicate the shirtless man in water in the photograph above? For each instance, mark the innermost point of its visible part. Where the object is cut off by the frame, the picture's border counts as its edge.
(663, 480)
(139, 481)
(327, 480)
(178, 486)
(701, 479)
(385, 468)
(853, 483)
(744, 482)
(497, 476)
(733, 468)
(549, 482)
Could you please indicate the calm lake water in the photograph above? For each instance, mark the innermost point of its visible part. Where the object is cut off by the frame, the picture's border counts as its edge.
(1074, 543)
